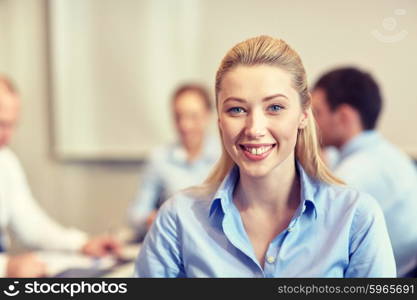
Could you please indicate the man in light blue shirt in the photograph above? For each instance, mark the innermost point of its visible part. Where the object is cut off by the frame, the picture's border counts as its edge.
(347, 103)
(178, 165)
(335, 232)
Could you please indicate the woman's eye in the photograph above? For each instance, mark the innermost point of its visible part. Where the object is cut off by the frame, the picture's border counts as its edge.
(236, 110)
(275, 108)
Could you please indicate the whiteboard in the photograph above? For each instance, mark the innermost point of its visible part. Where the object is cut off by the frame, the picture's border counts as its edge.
(114, 67)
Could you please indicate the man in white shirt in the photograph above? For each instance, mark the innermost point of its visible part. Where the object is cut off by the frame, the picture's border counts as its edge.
(347, 103)
(21, 214)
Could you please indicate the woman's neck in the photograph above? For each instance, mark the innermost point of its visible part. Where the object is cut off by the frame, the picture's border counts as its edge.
(275, 193)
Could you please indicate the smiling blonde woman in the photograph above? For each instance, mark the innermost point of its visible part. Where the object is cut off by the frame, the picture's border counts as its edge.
(270, 208)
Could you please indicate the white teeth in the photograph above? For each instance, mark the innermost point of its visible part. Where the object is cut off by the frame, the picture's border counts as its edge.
(258, 150)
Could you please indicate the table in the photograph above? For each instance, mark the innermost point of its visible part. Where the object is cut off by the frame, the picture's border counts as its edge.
(68, 264)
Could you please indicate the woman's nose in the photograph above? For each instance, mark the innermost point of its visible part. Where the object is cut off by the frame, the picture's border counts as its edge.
(255, 125)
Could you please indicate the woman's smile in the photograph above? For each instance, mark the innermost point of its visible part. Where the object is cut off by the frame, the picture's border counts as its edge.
(256, 152)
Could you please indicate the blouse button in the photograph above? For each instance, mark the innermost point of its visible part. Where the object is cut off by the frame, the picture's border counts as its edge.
(270, 259)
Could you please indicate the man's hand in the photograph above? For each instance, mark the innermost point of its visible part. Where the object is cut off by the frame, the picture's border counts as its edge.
(102, 245)
(25, 265)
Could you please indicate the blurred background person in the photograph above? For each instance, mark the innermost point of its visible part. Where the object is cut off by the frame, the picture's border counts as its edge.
(347, 103)
(176, 166)
(20, 213)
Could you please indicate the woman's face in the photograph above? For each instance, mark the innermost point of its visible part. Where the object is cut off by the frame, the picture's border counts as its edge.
(259, 117)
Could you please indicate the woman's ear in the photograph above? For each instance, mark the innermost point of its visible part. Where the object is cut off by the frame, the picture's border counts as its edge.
(304, 118)
(307, 111)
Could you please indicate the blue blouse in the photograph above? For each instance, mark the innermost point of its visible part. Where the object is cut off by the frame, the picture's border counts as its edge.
(335, 232)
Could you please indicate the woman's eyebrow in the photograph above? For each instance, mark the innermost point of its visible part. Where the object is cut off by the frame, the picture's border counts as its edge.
(268, 98)
(274, 96)
(235, 99)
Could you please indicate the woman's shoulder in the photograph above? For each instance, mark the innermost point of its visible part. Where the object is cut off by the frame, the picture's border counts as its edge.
(347, 198)
(188, 201)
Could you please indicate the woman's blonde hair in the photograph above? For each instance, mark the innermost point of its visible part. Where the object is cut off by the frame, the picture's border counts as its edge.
(265, 50)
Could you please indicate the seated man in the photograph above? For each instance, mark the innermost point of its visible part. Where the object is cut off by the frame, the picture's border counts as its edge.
(347, 103)
(176, 166)
(20, 213)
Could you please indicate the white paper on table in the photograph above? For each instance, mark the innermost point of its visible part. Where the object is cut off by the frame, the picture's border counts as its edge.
(58, 261)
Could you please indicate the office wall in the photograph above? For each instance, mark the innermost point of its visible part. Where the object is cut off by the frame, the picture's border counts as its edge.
(125, 58)
(94, 195)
